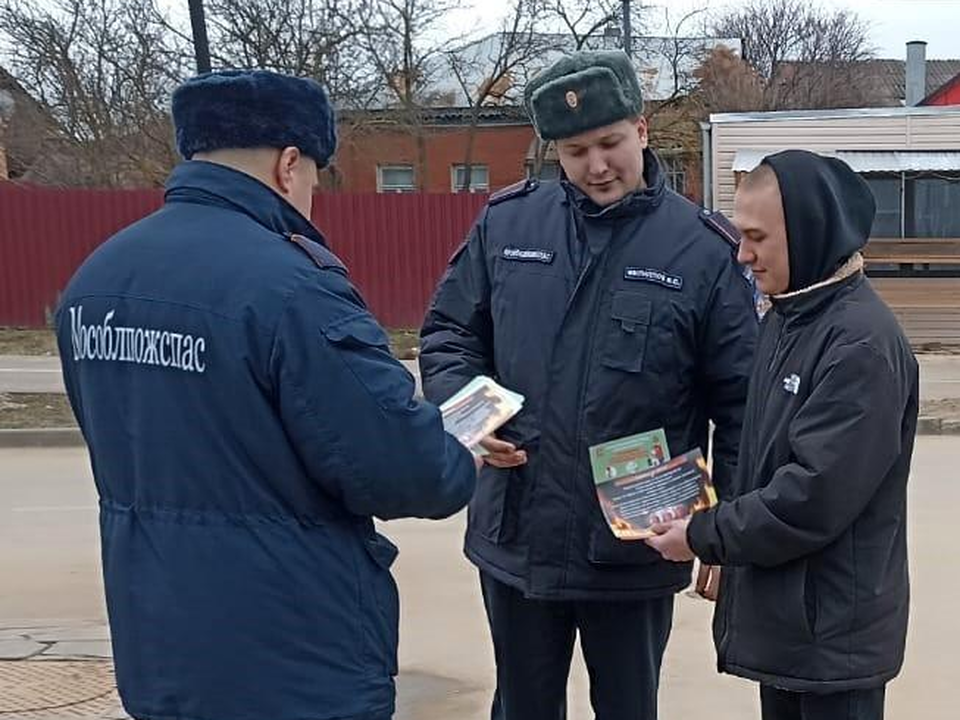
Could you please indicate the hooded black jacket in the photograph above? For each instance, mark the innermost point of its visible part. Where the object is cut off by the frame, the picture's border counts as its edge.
(814, 592)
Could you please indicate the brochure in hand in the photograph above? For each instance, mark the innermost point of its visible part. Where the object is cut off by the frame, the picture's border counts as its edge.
(639, 485)
(478, 410)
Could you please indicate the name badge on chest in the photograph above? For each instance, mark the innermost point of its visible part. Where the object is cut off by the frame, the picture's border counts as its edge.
(657, 277)
(536, 255)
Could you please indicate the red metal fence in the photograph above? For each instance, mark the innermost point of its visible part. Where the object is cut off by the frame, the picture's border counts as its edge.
(396, 246)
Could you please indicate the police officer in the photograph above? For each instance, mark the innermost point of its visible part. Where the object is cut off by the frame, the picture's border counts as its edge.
(615, 307)
(246, 421)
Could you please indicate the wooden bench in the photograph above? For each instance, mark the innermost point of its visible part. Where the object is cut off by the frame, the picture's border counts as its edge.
(928, 308)
(911, 251)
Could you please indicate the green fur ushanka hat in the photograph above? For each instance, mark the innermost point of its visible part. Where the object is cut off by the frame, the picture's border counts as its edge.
(582, 92)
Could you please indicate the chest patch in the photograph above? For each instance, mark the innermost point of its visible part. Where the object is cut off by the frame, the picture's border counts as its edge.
(791, 384)
(528, 255)
(658, 277)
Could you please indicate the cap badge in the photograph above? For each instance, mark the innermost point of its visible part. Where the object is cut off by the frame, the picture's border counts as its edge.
(572, 99)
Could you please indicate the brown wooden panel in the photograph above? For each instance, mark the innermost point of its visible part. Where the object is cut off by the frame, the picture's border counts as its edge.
(913, 251)
(927, 308)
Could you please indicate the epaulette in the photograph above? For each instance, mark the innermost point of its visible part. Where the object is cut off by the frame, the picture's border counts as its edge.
(717, 221)
(321, 256)
(519, 189)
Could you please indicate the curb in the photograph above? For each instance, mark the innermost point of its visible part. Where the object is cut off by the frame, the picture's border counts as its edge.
(938, 426)
(42, 437)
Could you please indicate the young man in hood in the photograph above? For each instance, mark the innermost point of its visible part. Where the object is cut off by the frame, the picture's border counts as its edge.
(814, 592)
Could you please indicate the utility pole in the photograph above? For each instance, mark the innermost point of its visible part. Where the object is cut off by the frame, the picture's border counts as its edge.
(627, 31)
(201, 47)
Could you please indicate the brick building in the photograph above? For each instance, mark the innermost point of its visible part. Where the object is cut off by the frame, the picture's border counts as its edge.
(378, 152)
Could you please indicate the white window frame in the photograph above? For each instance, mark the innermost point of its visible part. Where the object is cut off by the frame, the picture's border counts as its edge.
(673, 165)
(381, 188)
(475, 187)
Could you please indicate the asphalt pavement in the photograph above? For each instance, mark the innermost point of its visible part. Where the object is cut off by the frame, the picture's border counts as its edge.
(51, 593)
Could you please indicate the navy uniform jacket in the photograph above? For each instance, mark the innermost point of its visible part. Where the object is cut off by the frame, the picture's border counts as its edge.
(611, 322)
(245, 421)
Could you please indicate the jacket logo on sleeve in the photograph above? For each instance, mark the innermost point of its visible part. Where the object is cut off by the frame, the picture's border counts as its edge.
(528, 255)
(791, 384)
(658, 277)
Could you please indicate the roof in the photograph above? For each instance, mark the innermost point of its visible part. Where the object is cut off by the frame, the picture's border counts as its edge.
(29, 127)
(890, 76)
(441, 116)
(870, 161)
(942, 92)
(780, 115)
(655, 59)
(882, 81)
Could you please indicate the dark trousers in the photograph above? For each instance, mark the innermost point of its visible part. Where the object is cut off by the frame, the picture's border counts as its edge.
(851, 705)
(622, 644)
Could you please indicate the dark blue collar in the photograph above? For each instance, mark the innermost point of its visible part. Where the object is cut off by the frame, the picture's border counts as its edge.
(638, 202)
(206, 183)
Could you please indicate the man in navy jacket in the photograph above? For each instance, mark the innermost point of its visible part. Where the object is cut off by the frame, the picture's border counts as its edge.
(246, 422)
(615, 306)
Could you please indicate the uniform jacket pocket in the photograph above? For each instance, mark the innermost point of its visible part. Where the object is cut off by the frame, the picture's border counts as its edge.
(605, 549)
(625, 332)
(380, 604)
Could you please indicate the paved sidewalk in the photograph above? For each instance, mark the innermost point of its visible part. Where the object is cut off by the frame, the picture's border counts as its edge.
(939, 375)
(939, 391)
(36, 374)
(56, 671)
(30, 374)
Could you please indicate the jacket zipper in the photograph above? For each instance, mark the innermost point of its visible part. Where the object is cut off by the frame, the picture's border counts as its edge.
(776, 350)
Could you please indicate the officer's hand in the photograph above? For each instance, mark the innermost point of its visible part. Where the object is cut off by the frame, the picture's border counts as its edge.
(671, 541)
(501, 453)
(708, 582)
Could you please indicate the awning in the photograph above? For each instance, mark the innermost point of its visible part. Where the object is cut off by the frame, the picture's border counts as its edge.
(870, 161)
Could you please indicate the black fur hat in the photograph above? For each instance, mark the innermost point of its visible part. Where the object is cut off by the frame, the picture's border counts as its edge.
(253, 108)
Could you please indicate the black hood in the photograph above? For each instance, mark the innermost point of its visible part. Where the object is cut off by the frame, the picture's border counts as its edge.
(828, 209)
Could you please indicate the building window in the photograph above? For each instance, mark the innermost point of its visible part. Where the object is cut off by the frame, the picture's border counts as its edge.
(395, 179)
(888, 222)
(479, 178)
(915, 205)
(549, 170)
(935, 201)
(674, 172)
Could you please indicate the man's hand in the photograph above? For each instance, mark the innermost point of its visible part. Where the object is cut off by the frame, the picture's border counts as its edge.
(671, 541)
(502, 454)
(708, 582)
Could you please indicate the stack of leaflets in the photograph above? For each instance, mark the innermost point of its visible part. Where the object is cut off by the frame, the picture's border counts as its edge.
(640, 486)
(478, 410)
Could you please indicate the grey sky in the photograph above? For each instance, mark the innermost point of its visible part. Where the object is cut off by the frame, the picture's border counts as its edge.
(892, 22)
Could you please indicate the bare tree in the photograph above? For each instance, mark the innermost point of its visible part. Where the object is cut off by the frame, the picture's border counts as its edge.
(806, 56)
(677, 54)
(487, 71)
(307, 38)
(402, 41)
(104, 69)
(727, 83)
(583, 21)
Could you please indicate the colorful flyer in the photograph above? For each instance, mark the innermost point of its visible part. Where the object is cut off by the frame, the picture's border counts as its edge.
(478, 409)
(627, 456)
(635, 502)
